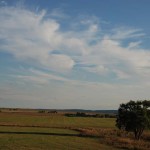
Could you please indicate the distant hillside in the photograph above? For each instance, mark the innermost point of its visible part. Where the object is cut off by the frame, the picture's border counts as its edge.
(61, 110)
(90, 111)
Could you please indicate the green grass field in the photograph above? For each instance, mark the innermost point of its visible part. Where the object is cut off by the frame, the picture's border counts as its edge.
(46, 138)
(56, 121)
(52, 132)
(34, 131)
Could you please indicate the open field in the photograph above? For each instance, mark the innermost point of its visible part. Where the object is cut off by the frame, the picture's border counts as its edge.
(54, 120)
(38, 131)
(47, 139)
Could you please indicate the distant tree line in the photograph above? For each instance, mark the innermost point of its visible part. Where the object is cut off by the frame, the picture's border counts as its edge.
(44, 111)
(82, 114)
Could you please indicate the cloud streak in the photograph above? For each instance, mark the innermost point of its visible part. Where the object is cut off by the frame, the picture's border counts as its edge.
(38, 39)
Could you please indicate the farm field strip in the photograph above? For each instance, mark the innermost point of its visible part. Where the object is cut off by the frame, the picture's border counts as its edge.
(33, 138)
(55, 121)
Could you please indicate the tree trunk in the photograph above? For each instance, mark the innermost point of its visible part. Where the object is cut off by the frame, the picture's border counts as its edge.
(138, 133)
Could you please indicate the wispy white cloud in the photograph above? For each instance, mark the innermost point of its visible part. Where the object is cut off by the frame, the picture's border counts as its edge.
(32, 79)
(59, 13)
(38, 77)
(99, 69)
(125, 32)
(133, 45)
(36, 38)
(28, 36)
(47, 76)
(81, 95)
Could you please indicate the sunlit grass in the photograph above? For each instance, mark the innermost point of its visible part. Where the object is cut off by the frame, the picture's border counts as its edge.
(38, 142)
(56, 121)
(23, 138)
(49, 132)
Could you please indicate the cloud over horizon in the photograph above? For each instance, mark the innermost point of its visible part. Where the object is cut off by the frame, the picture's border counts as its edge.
(74, 55)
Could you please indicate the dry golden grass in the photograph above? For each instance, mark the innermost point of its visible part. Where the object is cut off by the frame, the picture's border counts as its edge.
(119, 139)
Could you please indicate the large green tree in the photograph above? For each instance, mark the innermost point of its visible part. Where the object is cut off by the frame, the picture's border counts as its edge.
(134, 116)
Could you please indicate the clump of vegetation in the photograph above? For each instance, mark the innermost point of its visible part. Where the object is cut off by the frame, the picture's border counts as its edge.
(134, 117)
(53, 112)
(41, 111)
(82, 114)
(49, 112)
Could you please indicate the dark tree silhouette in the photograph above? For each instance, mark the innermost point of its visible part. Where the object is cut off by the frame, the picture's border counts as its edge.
(134, 117)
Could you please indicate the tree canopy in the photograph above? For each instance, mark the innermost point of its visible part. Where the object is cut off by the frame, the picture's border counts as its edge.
(134, 116)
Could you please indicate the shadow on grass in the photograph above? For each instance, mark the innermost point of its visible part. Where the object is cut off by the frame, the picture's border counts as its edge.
(39, 133)
(50, 134)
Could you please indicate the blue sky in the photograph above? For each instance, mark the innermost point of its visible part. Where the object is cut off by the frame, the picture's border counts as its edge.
(86, 54)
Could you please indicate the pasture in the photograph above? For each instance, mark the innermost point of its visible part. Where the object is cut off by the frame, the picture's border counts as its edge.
(38, 131)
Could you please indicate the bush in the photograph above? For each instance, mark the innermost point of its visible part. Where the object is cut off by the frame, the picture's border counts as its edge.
(41, 111)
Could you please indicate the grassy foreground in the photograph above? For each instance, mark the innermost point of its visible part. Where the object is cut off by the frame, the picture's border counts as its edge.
(56, 139)
(34, 131)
